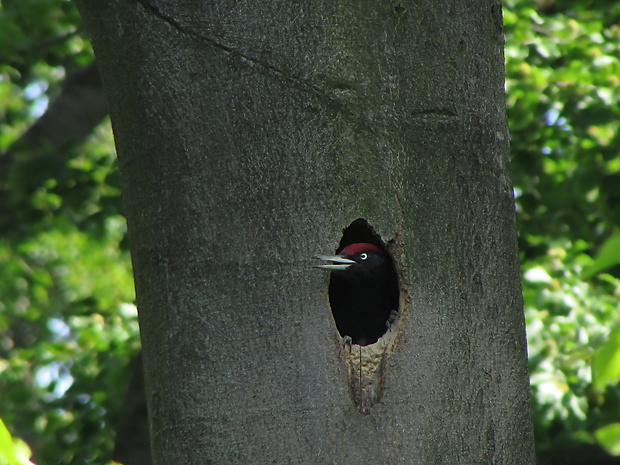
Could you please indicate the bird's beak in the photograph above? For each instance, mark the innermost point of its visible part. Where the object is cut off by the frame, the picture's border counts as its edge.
(337, 262)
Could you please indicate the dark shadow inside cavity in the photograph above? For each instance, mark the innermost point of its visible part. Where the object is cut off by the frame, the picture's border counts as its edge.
(365, 298)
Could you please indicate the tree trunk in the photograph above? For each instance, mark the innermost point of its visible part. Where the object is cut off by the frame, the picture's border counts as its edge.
(249, 135)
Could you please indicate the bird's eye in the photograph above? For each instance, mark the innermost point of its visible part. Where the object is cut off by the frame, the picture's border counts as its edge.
(363, 256)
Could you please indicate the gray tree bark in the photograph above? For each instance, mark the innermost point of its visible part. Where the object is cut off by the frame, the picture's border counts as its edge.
(249, 135)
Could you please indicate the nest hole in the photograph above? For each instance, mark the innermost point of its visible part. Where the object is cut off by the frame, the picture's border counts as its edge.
(365, 299)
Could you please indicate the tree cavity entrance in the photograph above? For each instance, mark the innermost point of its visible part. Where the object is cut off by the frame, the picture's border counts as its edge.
(364, 294)
(366, 300)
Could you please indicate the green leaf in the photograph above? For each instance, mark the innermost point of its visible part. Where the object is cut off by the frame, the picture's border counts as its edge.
(13, 451)
(606, 361)
(22, 452)
(609, 438)
(7, 449)
(607, 256)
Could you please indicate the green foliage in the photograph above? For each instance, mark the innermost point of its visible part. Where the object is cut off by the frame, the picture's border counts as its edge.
(39, 43)
(607, 256)
(69, 333)
(606, 361)
(13, 451)
(562, 81)
(567, 319)
(609, 437)
(562, 68)
(68, 326)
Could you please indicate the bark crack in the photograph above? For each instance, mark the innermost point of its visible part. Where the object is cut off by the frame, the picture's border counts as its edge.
(251, 59)
(172, 21)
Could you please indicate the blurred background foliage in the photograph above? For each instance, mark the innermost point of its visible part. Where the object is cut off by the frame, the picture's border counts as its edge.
(68, 325)
(563, 89)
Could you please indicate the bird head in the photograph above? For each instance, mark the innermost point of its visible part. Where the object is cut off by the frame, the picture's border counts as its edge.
(359, 259)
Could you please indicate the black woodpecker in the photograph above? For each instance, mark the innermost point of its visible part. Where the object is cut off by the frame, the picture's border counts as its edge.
(363, 292)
